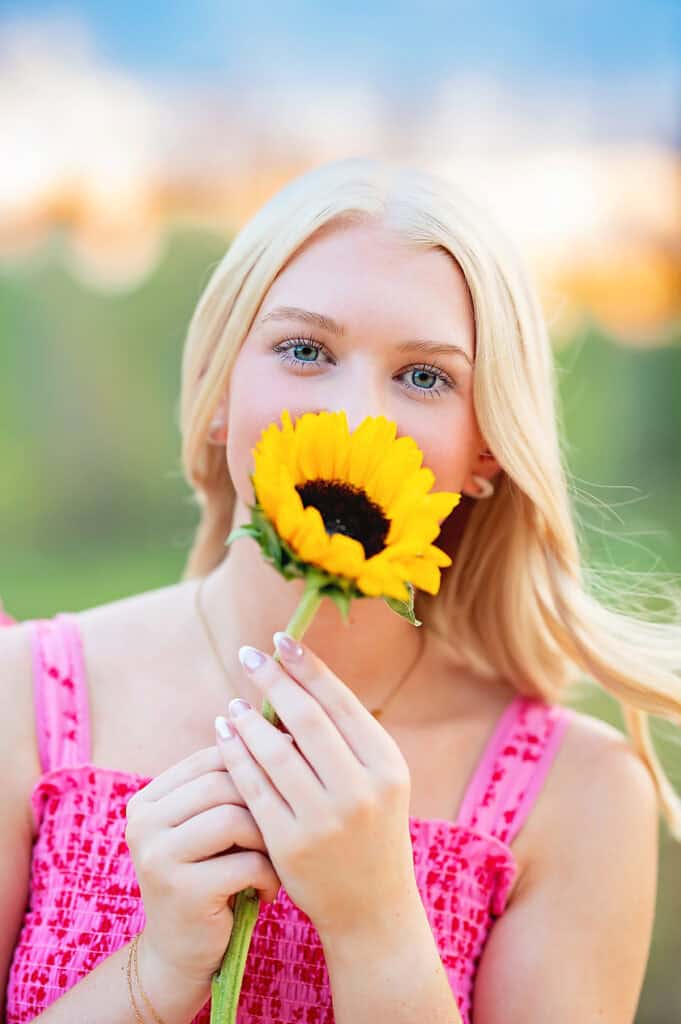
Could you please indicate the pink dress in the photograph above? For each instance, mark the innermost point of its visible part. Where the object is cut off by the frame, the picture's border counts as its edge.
(84, 902)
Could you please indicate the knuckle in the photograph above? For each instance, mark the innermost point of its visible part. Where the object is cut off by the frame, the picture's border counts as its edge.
(255, 862)
(395, 781)
(216, 785)
(148, 860)
(339, 707)
(365, 805)
(280, 754)
(305, 717)
(229, 818)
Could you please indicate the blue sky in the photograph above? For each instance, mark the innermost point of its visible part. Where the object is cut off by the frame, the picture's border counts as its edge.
(393, 39)
(613, 68)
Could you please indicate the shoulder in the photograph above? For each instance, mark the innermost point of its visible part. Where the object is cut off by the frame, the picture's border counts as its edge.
(602, 777)
(596, 818)
(597, 791)
(589, 892)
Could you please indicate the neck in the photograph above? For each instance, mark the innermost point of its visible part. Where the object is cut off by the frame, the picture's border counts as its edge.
(245, 600)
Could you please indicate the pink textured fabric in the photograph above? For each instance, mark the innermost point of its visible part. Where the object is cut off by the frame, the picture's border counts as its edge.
(84, 901)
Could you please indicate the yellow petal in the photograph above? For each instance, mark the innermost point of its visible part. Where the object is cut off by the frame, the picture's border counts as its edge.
(311, 540)
(422, 573)
(307, 430)
(345, 556)
(368, 444)
(377, 580)
(439, 505)
(340, 446)
(289, 516)
(419, 531)
(325, 442)
(438, 556)
(410, 495)
(400, 463)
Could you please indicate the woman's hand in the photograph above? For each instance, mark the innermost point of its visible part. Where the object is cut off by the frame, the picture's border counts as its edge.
(333, 809)
(180, 827)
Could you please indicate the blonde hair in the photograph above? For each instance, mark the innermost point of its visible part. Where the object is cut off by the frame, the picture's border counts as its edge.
(516, 598)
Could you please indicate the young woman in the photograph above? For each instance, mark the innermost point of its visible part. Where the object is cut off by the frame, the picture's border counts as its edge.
(441, 838)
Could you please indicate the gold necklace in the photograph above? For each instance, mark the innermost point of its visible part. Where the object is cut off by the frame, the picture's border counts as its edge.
(376, 712)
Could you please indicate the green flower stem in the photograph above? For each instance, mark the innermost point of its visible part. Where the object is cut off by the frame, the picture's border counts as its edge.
(226, 982)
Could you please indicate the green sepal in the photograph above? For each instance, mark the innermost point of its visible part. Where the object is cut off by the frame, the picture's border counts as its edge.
(270, 542)
(242, 531)
(341, 600)
(404, 608)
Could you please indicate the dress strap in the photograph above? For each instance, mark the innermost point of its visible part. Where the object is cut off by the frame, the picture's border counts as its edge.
(60, 693)
(514, 766)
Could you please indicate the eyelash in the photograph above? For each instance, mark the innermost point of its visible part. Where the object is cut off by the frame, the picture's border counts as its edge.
(284, 347)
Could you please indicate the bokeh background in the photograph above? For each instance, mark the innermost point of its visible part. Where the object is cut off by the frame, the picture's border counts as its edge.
(138, 138)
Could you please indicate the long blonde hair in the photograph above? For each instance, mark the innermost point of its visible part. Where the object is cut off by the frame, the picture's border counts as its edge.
(516, 599)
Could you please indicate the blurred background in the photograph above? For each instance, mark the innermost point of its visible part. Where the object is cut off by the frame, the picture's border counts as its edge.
(137, 139)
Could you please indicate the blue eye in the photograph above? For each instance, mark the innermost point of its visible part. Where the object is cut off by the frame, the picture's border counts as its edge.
(285, 349)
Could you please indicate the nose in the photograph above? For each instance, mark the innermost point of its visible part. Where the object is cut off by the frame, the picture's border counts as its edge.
(361, 403)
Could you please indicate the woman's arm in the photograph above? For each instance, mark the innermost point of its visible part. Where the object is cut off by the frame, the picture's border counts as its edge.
(103, 995)
(573, 944)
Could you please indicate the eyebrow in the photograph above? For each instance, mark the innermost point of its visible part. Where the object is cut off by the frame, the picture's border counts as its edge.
(326, 323)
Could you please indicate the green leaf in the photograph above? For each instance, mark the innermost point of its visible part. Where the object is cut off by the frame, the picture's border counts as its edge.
(404, 608)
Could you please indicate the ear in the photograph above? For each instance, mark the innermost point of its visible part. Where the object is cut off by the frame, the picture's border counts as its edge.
(217, 432)
(484, 465)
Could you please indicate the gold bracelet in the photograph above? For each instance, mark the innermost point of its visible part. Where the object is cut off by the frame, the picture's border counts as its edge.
(140, 986)
(131, 952)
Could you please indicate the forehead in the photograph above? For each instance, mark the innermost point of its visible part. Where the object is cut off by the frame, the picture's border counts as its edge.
(371, 273)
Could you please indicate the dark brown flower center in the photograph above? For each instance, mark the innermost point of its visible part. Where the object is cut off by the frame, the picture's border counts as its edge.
(346, 509)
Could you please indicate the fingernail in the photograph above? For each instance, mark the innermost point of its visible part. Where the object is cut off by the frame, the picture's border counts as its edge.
(239, 706)
(224, 729)
(251, 658)
(287, 645)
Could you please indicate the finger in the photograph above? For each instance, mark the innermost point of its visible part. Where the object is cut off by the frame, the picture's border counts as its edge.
(197, 795)
(198, 763)
(316, 735)
(223, 876)
(364, 735)
(215, 831)
(273, 814)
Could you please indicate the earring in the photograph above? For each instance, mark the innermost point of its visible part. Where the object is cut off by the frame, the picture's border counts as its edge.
(485, 487)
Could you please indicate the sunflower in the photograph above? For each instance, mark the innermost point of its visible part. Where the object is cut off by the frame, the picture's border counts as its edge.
(356, 506)
(351, 514)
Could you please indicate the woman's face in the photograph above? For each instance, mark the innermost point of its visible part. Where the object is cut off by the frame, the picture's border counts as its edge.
(385, 299)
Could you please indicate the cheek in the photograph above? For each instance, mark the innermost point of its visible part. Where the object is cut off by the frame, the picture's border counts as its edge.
(254, 403)
(243, 430)
(448, 454)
